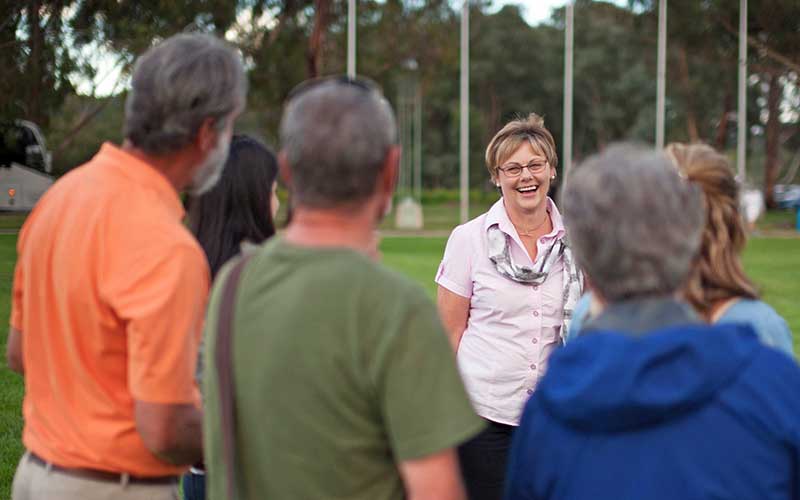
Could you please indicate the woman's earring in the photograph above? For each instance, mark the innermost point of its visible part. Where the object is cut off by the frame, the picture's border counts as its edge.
(552, 178)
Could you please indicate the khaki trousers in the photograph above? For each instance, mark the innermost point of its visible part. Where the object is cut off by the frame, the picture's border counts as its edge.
(34, 481)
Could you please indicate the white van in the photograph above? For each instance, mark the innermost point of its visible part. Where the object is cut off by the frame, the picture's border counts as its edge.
(25, 168)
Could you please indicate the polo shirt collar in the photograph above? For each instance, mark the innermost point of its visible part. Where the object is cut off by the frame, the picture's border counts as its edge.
(142, 173)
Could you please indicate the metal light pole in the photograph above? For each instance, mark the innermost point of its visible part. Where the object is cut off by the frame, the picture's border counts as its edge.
(568, 60)
(351, 38)
(464, 137)
(662, 72)
(741, 120)
(418, 143)
(402, 139)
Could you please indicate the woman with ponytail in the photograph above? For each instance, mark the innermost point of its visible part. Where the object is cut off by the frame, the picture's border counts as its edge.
(717, 287)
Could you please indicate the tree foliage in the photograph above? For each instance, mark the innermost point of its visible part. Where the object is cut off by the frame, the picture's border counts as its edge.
(46, 48)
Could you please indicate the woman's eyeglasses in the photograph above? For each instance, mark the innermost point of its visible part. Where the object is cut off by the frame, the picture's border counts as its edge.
(515, 169)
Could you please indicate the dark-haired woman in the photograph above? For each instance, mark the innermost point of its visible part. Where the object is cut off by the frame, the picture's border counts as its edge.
(242, 205)
(239, 210)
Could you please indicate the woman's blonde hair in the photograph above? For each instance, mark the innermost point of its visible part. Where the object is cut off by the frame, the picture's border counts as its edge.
(508, 139)
(717, 274)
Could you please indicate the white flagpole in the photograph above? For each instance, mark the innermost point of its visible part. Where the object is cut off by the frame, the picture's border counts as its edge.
(464, 137)
(741, 120)
(351, 38)
(568, 63)
(662, 72)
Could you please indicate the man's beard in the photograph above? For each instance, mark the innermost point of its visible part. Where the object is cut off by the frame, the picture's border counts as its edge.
(209, 171)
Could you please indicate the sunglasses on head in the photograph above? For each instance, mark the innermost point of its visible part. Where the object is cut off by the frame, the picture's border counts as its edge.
(361, 83)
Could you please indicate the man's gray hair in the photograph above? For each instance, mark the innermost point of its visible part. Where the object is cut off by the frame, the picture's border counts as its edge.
(176, 86)
(336, 136)
(633, 222)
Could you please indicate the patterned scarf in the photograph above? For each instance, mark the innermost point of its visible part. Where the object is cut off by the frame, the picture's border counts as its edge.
(500, 255)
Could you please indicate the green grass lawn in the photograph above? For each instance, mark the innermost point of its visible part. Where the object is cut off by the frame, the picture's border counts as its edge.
(441, 212)
(778, 219)
(774, 263)
(12, 220)
(445, 215)
(10, 383)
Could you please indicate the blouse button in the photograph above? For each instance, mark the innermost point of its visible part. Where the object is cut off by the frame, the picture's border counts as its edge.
(536, 313)
(533, 366)
(535, 287)
(535, 340)
(529, 391)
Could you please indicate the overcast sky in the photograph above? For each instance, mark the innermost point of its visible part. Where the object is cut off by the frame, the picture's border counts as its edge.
(536, 11)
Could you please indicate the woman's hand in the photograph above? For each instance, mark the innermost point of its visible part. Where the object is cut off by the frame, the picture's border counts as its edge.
(454, 313)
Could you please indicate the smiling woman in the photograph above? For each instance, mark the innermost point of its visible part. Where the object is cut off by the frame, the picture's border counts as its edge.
(507, 286)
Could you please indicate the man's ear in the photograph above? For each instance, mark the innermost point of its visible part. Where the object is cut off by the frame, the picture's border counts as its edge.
(391, 166)
(284, 170)
(207, 135)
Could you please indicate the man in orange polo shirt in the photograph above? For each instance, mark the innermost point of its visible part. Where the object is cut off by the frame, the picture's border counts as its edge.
(110, 290)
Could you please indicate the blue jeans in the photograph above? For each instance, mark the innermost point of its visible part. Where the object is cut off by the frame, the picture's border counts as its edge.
(194, 486)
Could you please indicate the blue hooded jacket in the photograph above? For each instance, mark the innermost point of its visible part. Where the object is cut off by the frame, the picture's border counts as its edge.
(682, 412)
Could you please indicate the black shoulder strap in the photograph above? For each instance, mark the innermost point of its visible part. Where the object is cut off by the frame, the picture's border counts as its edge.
(224, 364)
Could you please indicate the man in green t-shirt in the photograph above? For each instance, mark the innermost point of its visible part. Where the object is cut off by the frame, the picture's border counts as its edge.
(346, 387)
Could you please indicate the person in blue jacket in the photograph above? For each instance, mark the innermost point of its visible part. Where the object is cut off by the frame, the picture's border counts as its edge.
(651, 402)
(717, 287)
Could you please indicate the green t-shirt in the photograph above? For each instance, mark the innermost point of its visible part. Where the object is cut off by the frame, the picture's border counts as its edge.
(342, 370)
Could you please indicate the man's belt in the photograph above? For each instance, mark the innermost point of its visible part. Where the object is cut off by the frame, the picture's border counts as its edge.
(101, 475)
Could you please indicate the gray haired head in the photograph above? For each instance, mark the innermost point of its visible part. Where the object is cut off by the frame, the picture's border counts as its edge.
(335, 136)
(176, 86)
(633, 222)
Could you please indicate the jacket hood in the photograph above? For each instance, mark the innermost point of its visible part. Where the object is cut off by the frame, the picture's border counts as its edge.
(607, 381)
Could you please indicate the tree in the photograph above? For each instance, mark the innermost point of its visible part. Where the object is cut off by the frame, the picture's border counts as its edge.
(515, 68)
(36, 65)
(774, 23)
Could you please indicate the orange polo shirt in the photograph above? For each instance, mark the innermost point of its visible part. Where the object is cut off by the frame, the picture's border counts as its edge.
(109, 294)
